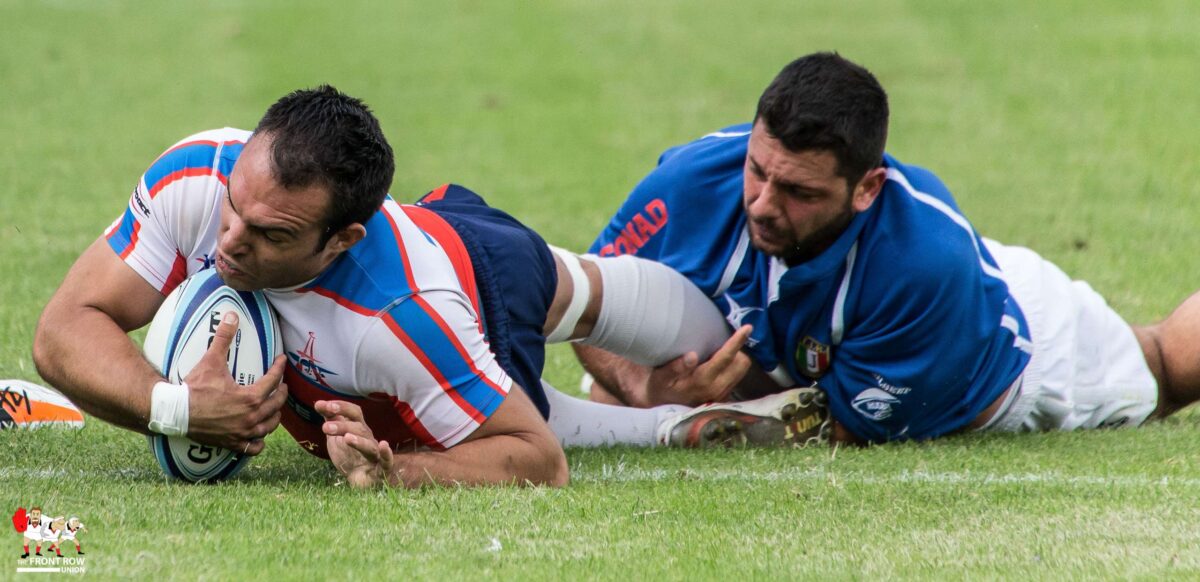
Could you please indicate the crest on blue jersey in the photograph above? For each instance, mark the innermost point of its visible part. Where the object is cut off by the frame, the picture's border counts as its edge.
(812, 357)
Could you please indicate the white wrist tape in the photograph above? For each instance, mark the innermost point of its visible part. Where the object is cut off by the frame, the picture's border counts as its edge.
(169, 409)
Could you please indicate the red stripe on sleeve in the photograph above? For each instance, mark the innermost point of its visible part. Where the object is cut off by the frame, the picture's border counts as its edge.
(176, 176)
(348, 304)
(133, 239)
(207, 142)
(412, 285)
(414, 424)
(453, 338)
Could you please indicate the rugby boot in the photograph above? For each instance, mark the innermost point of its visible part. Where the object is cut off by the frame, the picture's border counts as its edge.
(794, 418)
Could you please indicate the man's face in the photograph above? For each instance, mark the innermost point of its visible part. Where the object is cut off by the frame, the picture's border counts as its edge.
(269, 235)
(796, 203)
(35, 514)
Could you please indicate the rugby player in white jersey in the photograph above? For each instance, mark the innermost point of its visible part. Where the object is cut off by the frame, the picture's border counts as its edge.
(33, 531)
(53, 534)
(860, 274)
(70, 533)
(405, 327)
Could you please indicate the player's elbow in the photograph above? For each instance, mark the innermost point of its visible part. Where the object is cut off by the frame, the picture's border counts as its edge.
(44, 354)
(559, 474)
(549, 464)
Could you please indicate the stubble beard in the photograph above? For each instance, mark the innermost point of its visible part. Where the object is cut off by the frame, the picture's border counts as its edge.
(816, 242)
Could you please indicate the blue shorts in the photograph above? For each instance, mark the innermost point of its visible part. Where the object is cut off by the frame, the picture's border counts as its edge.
(516, 276)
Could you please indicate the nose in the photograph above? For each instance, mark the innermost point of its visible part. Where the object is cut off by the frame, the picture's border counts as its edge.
(765, 203)
(232, 241)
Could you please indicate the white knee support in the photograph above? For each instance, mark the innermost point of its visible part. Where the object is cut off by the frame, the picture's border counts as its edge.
(651, 314)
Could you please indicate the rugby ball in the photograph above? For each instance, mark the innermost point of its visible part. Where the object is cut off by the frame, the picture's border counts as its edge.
(28, 405)
(178, 337)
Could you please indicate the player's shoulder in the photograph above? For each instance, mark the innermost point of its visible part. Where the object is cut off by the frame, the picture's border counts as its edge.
(205, 145)
(919, 234)
(714, 153)
(922, 185)
(700, 180)
(399, 257)
(210, 152)
(214, 137)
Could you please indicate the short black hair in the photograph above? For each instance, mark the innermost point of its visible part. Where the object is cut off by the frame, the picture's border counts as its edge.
(825, 102)
(324, 137)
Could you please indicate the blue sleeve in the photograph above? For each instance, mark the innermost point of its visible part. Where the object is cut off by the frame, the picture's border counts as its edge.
(687, 213)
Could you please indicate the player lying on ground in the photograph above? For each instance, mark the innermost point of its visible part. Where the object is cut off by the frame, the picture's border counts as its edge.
(859, 273)
(405, 326)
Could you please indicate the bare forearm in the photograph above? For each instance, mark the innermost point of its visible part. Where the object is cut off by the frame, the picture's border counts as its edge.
(494, 460)
(616, 374)
(84, 354)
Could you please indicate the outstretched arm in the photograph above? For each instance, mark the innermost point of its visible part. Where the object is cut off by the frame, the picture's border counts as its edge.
(514, 446)
(81, 348)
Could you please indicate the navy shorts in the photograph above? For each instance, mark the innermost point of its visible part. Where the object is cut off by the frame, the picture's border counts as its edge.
(516, 276)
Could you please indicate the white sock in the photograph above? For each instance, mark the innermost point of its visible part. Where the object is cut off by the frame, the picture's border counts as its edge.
(583, 423)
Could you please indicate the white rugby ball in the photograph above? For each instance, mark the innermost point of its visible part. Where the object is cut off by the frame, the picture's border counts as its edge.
(179, 336)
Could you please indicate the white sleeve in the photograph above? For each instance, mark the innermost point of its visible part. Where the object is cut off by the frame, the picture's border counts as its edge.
(176, 200)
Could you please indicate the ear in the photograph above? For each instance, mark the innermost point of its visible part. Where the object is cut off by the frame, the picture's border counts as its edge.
(868, 189)
(342, 240)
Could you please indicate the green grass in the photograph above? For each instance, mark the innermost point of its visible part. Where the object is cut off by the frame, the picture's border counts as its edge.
(1064, 126)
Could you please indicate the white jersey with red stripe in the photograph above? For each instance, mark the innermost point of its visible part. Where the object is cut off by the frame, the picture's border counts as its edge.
(393, 324)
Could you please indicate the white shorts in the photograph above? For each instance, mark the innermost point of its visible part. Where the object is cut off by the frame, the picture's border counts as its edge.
(1087, 369)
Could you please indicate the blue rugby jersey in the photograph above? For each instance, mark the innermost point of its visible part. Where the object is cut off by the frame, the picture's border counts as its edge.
(905, 320)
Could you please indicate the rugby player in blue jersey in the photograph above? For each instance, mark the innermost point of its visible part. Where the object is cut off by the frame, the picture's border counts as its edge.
(860, 275)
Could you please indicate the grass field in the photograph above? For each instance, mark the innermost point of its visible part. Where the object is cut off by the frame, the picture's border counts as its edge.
(1065, 126)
